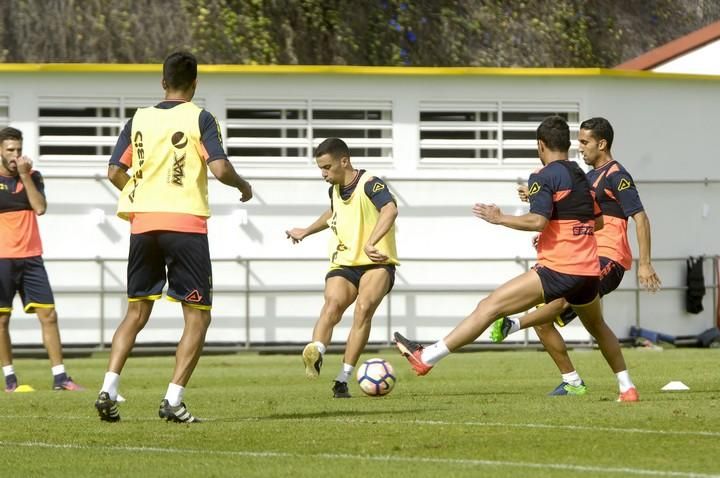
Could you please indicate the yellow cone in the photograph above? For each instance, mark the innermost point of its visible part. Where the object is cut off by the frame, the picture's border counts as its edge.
(24, 388)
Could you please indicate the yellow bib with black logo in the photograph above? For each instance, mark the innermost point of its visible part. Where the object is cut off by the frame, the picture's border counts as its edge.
(352, 223)
(169, 171)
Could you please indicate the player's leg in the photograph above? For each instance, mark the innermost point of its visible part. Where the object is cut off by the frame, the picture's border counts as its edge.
(11, 381)
(591, 316)
(375, 283)
(7, 293)
(555, 346)
(190, 282)
(516, 295)
(341, 289)
(145, 282)
(37, 297)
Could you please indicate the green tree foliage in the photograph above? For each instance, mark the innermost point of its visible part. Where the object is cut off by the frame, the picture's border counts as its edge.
(532, 33)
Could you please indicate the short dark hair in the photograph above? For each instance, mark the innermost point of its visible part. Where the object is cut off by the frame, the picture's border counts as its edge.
(10, 133)
(335, 147)
(599, 128)
(555, 133)
(180, 70)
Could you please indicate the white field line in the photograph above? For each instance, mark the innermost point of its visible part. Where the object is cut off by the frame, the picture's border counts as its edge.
(543, 426)
(377, 458)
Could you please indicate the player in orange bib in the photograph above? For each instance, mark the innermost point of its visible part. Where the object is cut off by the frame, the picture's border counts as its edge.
(618, 198)
(22, 199)
(562, 209)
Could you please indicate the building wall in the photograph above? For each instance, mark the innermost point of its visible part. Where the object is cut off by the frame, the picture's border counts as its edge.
(664, 133)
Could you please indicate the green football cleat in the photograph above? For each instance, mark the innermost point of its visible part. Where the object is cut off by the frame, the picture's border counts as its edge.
(500, 329)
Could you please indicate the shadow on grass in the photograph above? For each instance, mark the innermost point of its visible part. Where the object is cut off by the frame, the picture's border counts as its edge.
(350, 414)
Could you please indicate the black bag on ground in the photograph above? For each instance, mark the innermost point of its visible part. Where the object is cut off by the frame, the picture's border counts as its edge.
(695, 285)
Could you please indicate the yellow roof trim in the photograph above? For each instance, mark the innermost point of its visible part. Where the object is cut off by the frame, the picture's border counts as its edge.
(345, 70)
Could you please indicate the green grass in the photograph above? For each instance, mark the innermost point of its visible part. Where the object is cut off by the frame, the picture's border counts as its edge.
(482, 413)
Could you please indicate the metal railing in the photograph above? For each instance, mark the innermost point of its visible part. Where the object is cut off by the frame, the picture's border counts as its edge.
(251, 288)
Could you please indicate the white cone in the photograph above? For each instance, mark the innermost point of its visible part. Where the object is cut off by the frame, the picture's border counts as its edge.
(675, 386)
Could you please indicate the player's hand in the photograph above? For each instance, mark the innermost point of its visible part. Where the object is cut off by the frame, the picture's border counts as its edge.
(648, 278)
(487, 212)
(24, 165)
(522, 191)
(374, 254)
(295, 234)
(245, 191)
(535, 241)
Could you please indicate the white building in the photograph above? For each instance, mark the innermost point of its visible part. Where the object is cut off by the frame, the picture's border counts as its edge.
(443, 138)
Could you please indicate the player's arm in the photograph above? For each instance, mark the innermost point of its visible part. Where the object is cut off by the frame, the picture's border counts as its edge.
(385, 221)
(34, 194)
(121, 158)
(623, 187)
(377, 191)
(297, 234)
(214, 154)
(647, 277)
(527, 222)
(118, 176)
(224, 171)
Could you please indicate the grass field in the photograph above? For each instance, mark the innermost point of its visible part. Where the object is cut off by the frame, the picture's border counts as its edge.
(480, 413)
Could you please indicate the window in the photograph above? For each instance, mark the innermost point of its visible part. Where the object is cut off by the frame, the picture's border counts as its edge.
(83, 129)
(4, 111)
(286, 131)
(486, 133)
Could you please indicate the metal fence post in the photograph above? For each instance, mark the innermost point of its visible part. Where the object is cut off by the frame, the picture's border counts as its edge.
(101, 343)
(247, 303)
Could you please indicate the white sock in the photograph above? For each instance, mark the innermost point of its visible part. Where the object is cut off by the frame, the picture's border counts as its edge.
(111, 384)
(624, 381)
(321, 347)
(8, 370)
(174, 394)
(573, 378)
(515, 325)
(434, 353)
(345, 373)
(58, 369)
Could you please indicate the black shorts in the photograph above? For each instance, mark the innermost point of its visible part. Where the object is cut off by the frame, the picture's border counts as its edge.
(187, 259)
(577, 290)
(28, 277)
(611, 275)
(354, 273)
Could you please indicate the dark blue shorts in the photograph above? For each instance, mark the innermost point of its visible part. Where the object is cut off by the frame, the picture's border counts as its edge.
(611, 275)
(354, 273)
(577, 290)
(186, 258)
(28, 277)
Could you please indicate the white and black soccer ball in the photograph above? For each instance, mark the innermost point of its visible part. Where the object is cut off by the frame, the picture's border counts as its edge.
(376, 377)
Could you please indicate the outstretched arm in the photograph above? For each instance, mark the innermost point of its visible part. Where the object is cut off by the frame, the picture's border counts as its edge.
(297, 234)
(35, 197)
(385, 221)
(492, 214)
(647, 277)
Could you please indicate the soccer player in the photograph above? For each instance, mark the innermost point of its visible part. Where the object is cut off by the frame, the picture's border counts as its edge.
(618, 199)
(169, 147)
(362, 256)
(562, 209)
(22, 199)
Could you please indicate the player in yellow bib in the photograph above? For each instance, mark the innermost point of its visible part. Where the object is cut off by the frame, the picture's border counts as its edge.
(169, 147)
(362, 256)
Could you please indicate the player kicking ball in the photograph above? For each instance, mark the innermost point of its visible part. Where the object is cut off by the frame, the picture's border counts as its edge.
(362, 255)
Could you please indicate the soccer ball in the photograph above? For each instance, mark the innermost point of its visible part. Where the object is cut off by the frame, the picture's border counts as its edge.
(376, 377)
